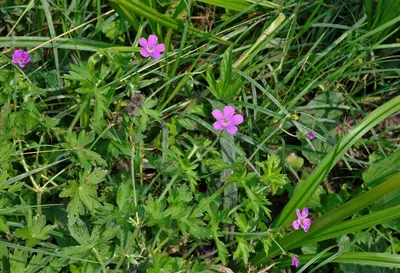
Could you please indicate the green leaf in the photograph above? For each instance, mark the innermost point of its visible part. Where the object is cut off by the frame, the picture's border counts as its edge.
(112, 30)
(241, 222)
(3, 225)
(18, 261)
(35, 231)
(243, 250)
(124, 194)
(222, 250)
(295, 161)
(225, 75)
(381, 170)
(84, 194)
(331, 201)
(272, 176)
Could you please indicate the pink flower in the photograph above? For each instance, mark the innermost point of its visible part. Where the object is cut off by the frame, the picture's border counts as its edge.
(21, 57)
(311, 135)
(295, 261)
(227, 120)
(302, 220)
(150, 47)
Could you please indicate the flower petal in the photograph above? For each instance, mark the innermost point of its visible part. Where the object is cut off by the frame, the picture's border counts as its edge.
(144, 53)
(237, 119)
(306, 224)
(298, 213)
(143, 42)
(229, 111)
(159, 48)
(304, 213)
(219, 126)
(156, 55)
(295, 224)
(295, 261)
(232, 129)
(152, 41)
(217, 114)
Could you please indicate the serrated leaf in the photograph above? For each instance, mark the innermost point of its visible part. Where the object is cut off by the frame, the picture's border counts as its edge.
(272, 173)
(84, 194)
(382, 170)
(243, 250)
(35, 231)
(3, 225)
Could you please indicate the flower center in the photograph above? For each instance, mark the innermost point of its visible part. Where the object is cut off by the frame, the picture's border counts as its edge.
(225, 122)
(21, 61)
(150, 49)
(301, 220)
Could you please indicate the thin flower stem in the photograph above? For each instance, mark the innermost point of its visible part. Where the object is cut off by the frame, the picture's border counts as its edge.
(168, 187)
(97, 255)
(133, 180)
(26, 168)
(127, 247)
(283, 251)
(209, 148)
(84, 104)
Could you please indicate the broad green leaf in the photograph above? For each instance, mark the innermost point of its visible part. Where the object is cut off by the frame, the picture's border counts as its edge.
(35, 231)
(379, 171)
(84, 194)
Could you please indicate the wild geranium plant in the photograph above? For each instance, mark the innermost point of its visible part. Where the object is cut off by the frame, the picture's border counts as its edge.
(226, 156)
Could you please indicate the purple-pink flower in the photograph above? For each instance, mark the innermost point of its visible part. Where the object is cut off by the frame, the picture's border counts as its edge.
(21, 57)
(295, 261)
(150, 47)
(311, 135)
(227, 120)
(302, 220)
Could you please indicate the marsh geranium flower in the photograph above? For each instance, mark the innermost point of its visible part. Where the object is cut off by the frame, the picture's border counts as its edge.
(302, 220)
(150, 47)
(311, 135)
(21, 57)
(227, 120)
(295, 261)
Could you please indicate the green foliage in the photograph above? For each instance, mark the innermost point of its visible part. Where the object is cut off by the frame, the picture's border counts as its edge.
(272, 176)
(35, 230)
(83, 194)
(228, 85)
(109, 161)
